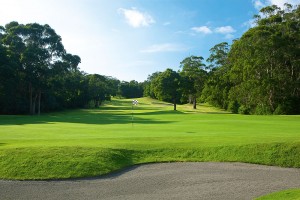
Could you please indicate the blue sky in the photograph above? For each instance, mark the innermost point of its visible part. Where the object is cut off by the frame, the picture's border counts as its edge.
(130, 39)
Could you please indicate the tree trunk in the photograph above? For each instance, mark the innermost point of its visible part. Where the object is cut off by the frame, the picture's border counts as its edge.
(30, 99)
(190, 99)
(174, 104)
(33, 105)
(39, 102)
(271, 100)
(195, 103)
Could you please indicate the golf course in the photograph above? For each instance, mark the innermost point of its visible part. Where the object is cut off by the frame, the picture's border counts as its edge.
(93, 142)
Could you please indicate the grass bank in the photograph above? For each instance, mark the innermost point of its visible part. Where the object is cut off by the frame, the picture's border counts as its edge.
(85, 143)
(292, 194)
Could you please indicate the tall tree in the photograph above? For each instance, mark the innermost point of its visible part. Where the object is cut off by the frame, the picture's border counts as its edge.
(265, 63)
(217, 85)
(132, 89)
(194, 77)
(167, 86)
(35, 53)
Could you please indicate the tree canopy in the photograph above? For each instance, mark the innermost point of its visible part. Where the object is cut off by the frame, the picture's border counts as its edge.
(258, 73)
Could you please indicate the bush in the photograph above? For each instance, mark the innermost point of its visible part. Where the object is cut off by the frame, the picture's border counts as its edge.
(280, 110)
(262, 109)
(233, 106)
(244, 110)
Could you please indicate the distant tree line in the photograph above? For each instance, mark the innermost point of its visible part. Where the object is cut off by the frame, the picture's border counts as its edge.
(258, 74)
(37, 74)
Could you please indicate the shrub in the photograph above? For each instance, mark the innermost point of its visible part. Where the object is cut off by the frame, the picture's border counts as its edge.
(262, 109)
(244, 110)
(233, 106)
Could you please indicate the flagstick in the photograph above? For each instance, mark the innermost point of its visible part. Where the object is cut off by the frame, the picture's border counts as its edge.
(132, 116)
(134, 102)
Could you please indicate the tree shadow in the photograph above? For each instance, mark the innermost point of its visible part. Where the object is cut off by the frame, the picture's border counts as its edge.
(162, 112)
(81, 117)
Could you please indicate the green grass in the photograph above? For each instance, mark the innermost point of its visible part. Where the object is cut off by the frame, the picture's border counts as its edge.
(292, 194)
(85, 143)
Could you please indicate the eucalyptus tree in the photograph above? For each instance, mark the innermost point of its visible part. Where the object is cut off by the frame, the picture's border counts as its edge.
(149, 85)
(132, 89)
(36, 50)
(217, 85)
(265, 67)
(167, 86)
(194, 76)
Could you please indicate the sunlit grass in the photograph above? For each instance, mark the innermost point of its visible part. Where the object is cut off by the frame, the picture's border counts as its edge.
(292, 194)
(81, 143)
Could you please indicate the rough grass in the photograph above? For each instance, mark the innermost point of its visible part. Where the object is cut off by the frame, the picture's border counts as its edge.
(85, 143)
(292, 194)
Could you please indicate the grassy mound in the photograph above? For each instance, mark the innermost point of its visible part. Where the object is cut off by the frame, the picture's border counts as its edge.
(85, 143)
(74, 162)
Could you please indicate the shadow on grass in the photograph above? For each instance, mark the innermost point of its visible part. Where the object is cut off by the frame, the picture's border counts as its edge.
(85, 117)
(162, 112)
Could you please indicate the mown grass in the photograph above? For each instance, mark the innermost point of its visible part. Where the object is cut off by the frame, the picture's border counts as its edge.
(85, 143)
(292, 194)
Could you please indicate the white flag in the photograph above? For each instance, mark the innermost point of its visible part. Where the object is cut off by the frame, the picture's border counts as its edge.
(135, 102)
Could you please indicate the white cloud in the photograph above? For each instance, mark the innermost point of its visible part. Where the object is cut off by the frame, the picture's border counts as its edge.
(249, 24)
(225, 30)
(258, 4)
(281, 3)
(166, 47)
(202, 29)
(136, 18)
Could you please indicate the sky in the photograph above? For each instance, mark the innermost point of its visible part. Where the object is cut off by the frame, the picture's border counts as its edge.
(131, 39)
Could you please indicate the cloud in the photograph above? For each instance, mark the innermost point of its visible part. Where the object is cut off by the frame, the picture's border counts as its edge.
(281, 3)
(136, 18)
(202, 29)
(166, 47)
(249, 24)
(225, 30)
(258, 4)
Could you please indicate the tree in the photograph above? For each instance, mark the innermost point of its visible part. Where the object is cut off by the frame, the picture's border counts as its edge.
(131, 89)
(194, 77)
(265, 63)
(217, 85)
(37, 47)
(149, 85)
(36, 60)
(167, 86)
(98, 88)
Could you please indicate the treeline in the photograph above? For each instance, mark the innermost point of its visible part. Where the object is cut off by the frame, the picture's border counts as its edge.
(37, 74)
(258, 74)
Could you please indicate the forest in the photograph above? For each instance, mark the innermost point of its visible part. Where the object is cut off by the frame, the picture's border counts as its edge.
(258, 73)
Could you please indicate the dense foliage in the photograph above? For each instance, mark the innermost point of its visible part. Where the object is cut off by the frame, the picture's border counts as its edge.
(258, 74)
(37, 74)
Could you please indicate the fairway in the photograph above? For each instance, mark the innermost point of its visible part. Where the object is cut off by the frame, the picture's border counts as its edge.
(92, 142)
